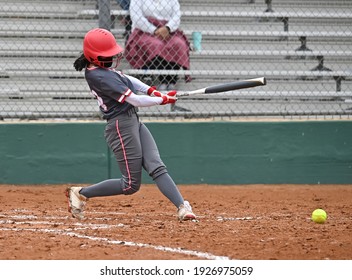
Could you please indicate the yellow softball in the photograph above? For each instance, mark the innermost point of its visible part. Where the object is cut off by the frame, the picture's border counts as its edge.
(319, 216)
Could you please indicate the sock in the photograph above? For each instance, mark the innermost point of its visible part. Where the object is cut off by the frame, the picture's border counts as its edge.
(168, 188)
(104, 188)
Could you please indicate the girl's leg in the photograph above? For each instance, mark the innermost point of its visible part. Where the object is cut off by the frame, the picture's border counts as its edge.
(122, 136)
(168, 188)
(104, 188)
(153, 164)
(157, 170)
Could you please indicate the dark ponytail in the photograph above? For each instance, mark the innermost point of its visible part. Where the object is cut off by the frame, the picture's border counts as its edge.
(81, 63)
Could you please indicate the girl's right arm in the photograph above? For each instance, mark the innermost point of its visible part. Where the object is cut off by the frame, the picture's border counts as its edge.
(147, 101)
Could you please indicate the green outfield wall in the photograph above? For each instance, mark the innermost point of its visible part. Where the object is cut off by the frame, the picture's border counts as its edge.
(297, 152)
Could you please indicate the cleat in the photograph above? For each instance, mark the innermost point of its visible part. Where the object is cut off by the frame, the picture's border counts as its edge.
(76, 202)
(185, 212)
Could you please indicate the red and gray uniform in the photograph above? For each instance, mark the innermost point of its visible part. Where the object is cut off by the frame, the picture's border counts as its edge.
(111, 89)
(130, 140)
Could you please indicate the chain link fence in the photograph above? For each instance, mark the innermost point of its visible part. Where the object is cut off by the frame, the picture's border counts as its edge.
(303, 48)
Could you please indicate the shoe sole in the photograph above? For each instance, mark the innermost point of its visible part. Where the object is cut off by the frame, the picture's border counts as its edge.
(188, 217)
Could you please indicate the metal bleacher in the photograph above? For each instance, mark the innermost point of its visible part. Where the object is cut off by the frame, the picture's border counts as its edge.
(303, 48)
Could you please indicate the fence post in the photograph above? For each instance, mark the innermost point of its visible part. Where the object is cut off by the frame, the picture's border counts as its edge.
(269, 6)
(104, 14)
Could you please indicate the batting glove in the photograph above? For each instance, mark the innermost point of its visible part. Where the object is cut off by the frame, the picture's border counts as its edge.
(169, 98)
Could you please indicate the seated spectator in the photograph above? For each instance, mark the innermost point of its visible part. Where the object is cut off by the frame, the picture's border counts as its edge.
(156, 42)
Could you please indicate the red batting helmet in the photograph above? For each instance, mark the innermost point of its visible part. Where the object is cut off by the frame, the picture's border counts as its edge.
(100, 44)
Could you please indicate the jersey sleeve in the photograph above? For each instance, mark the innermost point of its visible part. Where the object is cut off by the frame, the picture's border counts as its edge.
(138, 85)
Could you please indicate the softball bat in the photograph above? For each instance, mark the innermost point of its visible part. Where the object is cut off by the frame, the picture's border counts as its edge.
(226, 87)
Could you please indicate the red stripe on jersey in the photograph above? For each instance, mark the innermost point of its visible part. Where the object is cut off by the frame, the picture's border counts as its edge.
(122, 98)
(128, 92)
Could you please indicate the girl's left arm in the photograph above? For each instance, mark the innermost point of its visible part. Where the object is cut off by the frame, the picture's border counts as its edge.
(138, 84)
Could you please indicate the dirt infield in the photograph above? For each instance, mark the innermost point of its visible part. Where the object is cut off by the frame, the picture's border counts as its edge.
(252, 222)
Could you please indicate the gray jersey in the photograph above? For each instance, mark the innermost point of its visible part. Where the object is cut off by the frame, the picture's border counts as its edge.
(110, 88)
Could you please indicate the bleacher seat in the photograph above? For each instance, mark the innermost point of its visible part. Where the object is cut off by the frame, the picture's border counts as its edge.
(298, 47)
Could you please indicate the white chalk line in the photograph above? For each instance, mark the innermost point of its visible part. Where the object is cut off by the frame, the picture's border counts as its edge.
(82, 226)
(220, 218)
(69, 232)
(124, 243)
(33, 217)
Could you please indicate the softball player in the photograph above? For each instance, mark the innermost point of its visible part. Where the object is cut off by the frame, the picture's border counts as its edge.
(130, 140)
